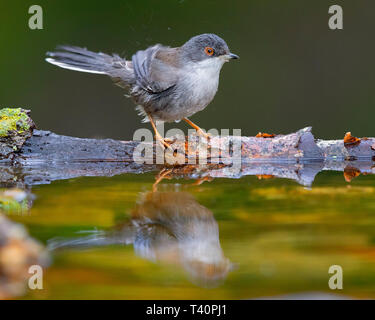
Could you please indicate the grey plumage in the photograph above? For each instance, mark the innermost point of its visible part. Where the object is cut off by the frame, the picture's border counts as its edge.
(168, 84)
(81, 59)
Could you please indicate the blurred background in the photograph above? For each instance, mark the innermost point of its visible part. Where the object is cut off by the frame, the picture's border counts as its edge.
(293, 72)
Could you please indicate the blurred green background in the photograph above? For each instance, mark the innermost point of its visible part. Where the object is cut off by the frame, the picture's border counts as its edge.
(294, 71)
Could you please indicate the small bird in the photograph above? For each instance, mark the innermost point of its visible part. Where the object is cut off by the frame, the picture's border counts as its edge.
(167, 84)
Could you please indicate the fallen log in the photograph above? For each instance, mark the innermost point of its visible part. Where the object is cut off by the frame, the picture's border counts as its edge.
(45, 156)
(47, 147)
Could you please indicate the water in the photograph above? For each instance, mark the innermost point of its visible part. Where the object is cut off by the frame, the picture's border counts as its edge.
(224, 239)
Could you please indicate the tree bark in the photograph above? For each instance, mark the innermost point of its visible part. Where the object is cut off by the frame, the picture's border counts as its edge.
(47, 156)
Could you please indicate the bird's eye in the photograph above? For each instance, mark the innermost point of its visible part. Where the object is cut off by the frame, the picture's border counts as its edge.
(209, 51)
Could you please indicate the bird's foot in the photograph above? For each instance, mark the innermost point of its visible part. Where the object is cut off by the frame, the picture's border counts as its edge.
(164, 143)
(197, 128)
(201, 133)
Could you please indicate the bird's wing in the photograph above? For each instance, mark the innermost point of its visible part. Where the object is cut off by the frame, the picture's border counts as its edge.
(155, 68)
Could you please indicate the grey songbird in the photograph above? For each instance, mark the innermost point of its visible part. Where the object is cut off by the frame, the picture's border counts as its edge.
(167, 84)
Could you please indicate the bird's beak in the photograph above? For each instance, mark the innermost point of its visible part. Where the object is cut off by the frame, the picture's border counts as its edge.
(230, 56)
(233, 56)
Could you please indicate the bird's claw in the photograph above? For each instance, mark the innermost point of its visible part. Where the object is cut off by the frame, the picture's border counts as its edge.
(163, 143)
(201, 133)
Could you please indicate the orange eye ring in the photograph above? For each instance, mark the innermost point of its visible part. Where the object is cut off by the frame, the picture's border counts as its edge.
(209, 51)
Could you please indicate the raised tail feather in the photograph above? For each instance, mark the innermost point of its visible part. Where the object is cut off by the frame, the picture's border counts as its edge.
(81, 59)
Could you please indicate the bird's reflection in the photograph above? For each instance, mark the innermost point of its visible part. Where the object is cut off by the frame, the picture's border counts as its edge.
(167, 227)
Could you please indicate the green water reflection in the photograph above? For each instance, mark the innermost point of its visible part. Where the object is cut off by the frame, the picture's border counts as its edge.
(227, 239)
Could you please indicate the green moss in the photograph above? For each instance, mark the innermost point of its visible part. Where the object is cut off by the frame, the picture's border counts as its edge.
(10, 206)
(14, 201)
(13, 120)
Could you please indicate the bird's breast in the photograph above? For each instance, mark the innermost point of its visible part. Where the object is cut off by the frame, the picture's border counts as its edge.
(196, 87)
(199, 85)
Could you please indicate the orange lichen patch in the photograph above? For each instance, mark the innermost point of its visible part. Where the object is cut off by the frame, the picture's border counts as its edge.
(350, 173)
(265, 176)
(265, 135)
(349, 140)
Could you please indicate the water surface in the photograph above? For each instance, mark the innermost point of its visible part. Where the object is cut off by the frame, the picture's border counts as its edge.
(242, 238)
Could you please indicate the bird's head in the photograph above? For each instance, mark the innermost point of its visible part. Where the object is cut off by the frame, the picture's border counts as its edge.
(208, 48)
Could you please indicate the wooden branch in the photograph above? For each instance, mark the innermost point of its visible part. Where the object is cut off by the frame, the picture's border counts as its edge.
(47, 156)
(47, 147)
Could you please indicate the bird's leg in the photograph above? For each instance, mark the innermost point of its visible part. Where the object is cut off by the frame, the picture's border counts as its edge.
(157, 134)
(164, 172)
(198, 129)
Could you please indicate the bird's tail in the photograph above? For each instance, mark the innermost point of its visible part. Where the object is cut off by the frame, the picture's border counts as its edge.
(81, 59)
